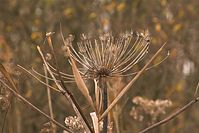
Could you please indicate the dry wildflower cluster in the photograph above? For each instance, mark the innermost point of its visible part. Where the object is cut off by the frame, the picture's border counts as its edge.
(153, 108)
(96, 60)
(104, 57)
(74, 123)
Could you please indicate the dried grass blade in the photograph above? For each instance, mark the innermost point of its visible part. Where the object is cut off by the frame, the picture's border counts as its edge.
(127, 87)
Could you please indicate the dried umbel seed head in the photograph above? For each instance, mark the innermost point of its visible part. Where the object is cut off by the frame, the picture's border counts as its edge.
(74, 123)
(154, 108)
(108, 55)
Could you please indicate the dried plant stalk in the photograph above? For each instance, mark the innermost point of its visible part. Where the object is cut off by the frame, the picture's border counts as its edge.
(49, 101)
(103, 87)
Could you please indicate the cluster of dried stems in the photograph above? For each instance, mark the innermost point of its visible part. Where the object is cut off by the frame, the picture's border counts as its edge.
(96, 60)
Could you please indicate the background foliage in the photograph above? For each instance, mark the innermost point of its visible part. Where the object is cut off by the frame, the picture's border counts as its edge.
(23, 24)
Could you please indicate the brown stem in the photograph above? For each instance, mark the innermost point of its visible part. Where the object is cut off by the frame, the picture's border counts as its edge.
(49, 101)
(103, 86)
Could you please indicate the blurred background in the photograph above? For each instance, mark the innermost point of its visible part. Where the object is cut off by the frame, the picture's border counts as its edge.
(24, 23)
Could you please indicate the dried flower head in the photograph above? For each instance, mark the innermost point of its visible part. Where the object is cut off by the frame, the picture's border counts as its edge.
(109, 56)
(74, 123)
(153, 108)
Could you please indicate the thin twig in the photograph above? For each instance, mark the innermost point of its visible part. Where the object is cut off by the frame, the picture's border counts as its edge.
(34, 107)
(120, 95)
(49, 101)
(172, 116)
(28, 72)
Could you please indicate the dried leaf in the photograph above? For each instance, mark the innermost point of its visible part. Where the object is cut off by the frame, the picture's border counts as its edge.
(80, 82)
